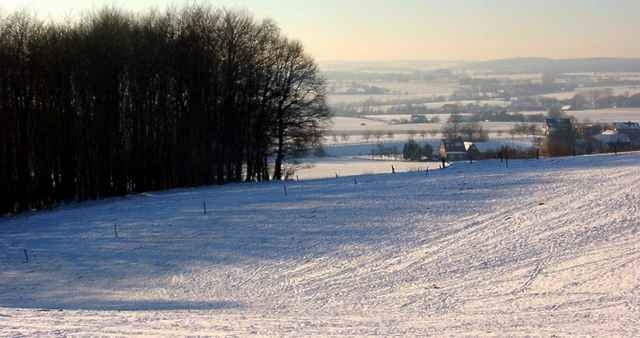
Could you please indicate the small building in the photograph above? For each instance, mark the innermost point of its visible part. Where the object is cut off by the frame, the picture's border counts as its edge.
(558, 126)
(614, 140)
(631, 130)
(453, 150)
(416, 118)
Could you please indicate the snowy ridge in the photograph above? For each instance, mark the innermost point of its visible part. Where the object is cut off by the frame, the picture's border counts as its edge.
(544, 247)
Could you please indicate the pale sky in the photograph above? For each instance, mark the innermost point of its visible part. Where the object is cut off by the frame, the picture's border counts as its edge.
(425, 29)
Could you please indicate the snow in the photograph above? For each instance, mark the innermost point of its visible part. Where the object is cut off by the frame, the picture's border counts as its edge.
(546, 247)
(345, 166)
(608, 115)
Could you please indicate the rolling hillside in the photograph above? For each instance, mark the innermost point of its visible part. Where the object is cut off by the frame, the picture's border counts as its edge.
(542, 247)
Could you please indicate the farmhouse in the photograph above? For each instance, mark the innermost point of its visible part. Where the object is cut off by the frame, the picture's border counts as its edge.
(630, 129)
(453, 150)
(614, 140)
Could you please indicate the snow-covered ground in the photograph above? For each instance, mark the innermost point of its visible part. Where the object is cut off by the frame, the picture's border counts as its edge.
(548, 247)
(608, 115)
(345, 166)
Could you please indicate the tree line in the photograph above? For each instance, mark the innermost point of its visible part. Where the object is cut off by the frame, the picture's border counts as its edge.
(118, 102)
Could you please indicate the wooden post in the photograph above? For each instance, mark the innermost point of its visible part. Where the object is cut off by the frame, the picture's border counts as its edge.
(26, 256)
(427, 171)
(355, 180)
(393, 169)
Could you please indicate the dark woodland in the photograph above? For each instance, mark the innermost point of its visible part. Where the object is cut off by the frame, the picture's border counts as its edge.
(119, 103)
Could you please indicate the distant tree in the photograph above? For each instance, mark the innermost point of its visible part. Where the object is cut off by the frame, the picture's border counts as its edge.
(366, 135)
(533, 130)
(414, 152)
(427, 151)
(561, 142)
(378, 134)
(473, 131)
(453, 127)
(411, 151)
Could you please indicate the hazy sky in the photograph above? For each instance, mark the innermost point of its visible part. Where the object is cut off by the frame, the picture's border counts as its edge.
(426, 29)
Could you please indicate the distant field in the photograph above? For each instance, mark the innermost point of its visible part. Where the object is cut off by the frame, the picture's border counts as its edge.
(327, 168)
(360, 125)
(609, 115)
(403, 91)
(631, 90)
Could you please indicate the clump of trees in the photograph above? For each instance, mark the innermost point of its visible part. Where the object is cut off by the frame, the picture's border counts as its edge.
(414, 152)
(524, 129)
(561, 142)
(384, 151)
(119, 102)
(457, 127)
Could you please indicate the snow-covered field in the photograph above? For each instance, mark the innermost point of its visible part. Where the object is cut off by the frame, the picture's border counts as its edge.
(615, 90)
(354, 166)
(608, 115)
(547, 247)
(358, 125)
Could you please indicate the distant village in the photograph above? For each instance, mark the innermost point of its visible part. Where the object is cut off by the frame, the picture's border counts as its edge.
(562, 136)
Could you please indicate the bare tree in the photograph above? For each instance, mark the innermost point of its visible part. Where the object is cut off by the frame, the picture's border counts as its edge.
(378, 135)
(412, 134)
(453, 127)
(301, 111)
(119, 102)
(366, 135)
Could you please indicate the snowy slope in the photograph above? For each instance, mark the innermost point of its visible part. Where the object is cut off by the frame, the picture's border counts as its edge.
(543, 247)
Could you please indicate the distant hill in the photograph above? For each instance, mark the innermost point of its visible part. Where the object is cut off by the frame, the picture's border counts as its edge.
(540, 65)
(400, 66)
